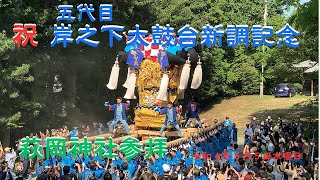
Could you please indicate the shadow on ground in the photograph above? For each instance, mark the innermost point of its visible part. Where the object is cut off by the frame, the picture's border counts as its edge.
(306, 111)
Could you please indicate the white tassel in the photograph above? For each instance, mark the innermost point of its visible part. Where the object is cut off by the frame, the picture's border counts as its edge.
(131, 87)
(185, 75)
(163, 91)
(197, 76)
(113, 80)
(128, 75)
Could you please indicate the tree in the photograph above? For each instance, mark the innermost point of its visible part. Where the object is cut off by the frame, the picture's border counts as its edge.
(16, 107)
(83, 70)
(280, 60)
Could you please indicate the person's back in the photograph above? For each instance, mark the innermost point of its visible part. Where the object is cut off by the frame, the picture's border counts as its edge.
(270, 147)
(92, 172)
(107, 176)
(9, 157)
(43, 176)
(173, 176)
(248, 177)
(66, 177)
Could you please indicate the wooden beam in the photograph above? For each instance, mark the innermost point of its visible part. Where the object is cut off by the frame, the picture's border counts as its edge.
(148, 132)
(106, 136)
(92, 138)
(119, 139)
(177, 141)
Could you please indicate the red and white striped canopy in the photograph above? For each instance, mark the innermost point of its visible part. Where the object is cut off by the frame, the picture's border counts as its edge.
(151, 51)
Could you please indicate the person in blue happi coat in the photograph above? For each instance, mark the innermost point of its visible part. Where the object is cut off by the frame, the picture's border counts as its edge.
(219, 142)
(95, 170)
(192, 147)
(117, 162)
(234, 134)
(175, 157)
(197, 174)
(233, 154)
(159, 162)
(213, 144)
(74, 132)
(155, 165)
(171, 117)
(168, 159)
(199, 162)
(131, 46)
(203, 174)
(228, 123)
(129, 168)
(40, 168)
(186, 158)
(224, 137)
(193, 108)
(119, 114)
(59, 162)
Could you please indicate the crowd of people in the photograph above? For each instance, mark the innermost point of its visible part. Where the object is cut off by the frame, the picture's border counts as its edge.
(65, 132)
(180, 162)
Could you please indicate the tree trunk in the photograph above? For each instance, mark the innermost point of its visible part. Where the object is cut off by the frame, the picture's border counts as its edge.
(70, 83)
(311, 87)
(5, 137)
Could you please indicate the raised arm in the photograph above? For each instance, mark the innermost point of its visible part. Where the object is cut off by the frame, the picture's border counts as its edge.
(136, 172)
(163, 111)
(235, 171)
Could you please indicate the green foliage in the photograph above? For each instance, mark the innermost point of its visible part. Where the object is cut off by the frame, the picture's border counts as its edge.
(279, 65)
(17, 108)
(298, 87)
(306, 17)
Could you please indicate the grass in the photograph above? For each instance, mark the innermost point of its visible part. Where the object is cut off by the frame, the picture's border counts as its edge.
(241, 109)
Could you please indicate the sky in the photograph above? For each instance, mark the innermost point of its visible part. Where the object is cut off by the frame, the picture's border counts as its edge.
(288, 13)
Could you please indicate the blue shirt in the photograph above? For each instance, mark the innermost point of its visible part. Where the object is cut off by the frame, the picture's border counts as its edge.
(227, 123)
(39, 170)
(119, 112)
(74, 133)
(170, 162)
(179, 155)
(156, 168)
(47, 162)
(199, 162)
(232, 155)
(248, 141)
(118, 162)
(87, 160)
(67, 161)
(132, 165)
(170, 115)
(88, 173)
(99, 160)
(188, 162)
(159, 163)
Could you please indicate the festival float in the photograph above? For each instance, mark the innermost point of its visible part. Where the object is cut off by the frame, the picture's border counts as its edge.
(160, 75)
